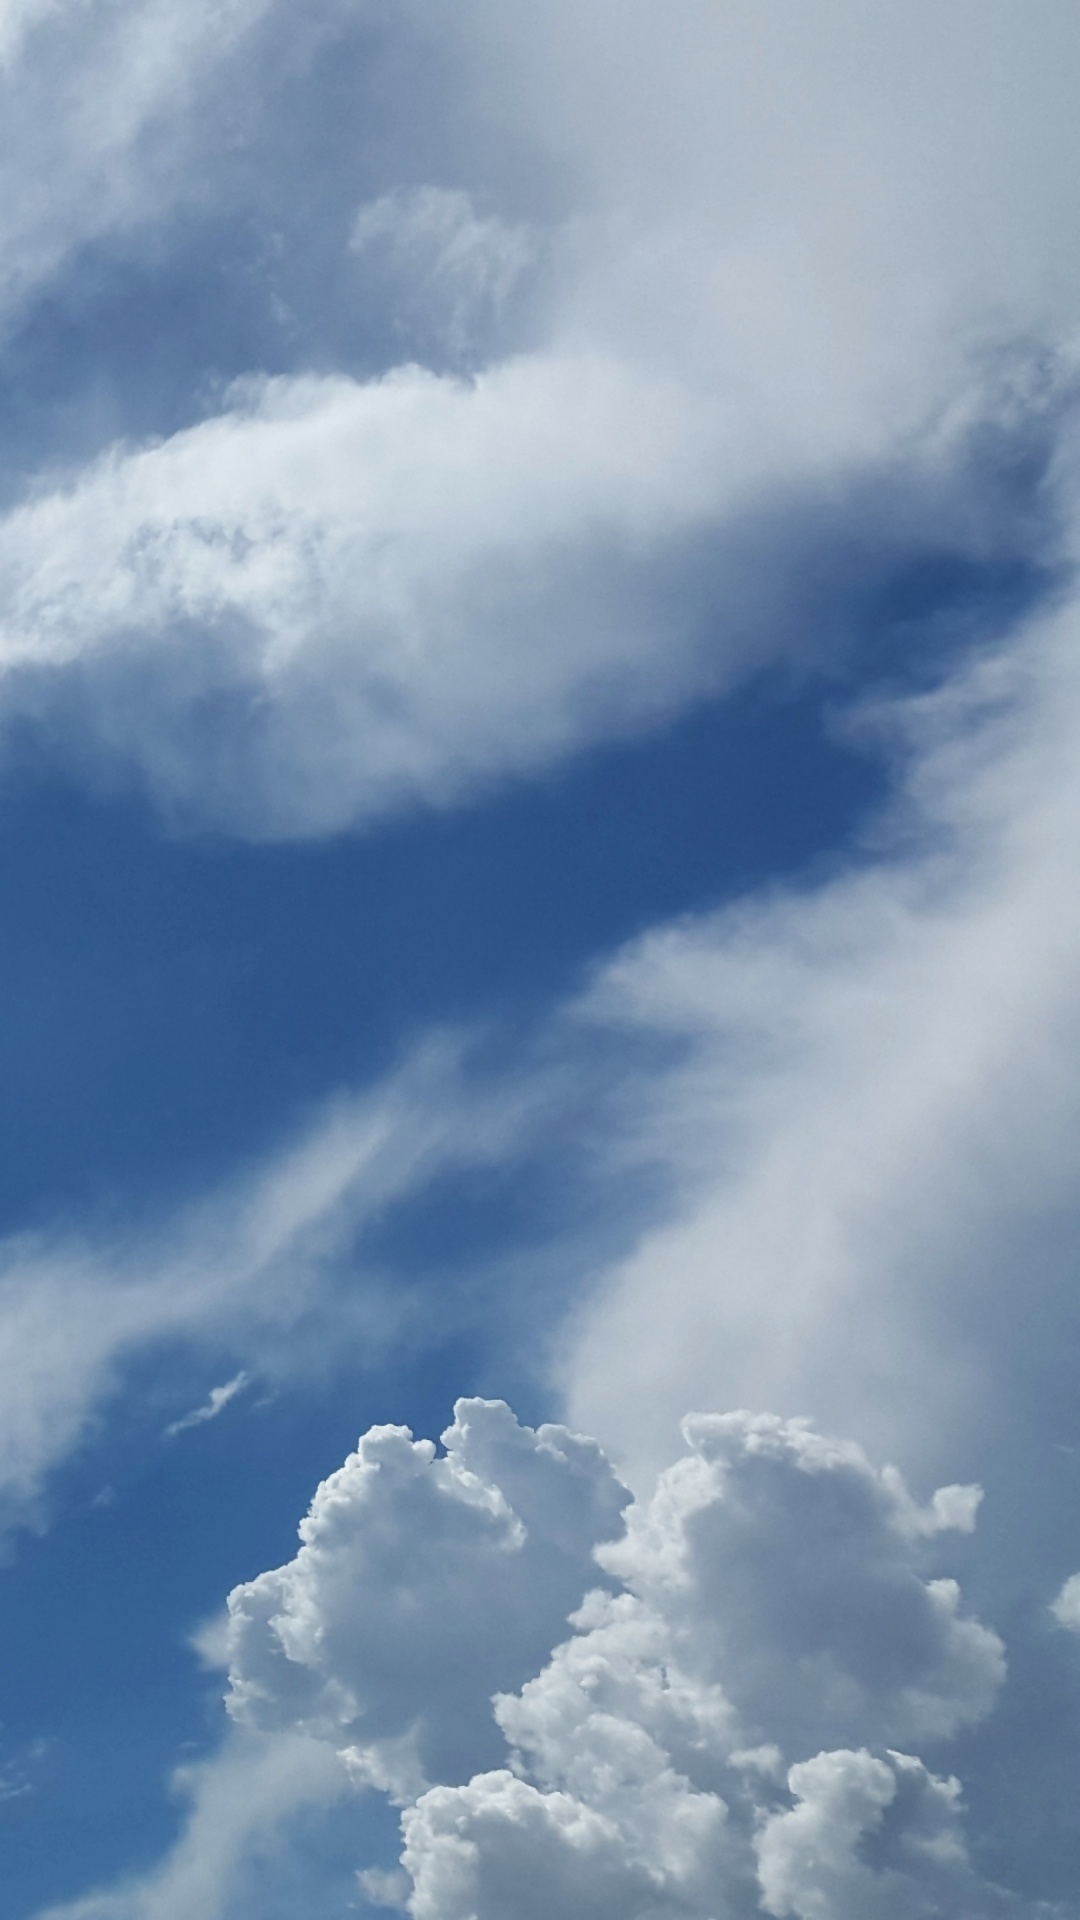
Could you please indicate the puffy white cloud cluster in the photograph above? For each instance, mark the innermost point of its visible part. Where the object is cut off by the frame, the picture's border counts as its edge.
(727, 1728)
(424, 1585)
(871, 1834)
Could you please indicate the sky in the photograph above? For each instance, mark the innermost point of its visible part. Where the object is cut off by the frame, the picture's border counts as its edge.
(540, 946)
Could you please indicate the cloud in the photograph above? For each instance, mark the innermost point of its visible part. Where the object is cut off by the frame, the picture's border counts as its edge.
(813, 1858)
(784, 1563)
(1066, 1608)
(98, 105)
(793, 258)
(667, 1758)
(218, 1399)
(468, 1565)
(343, 596)
(244, 1810)
(835, 207)
(856, 1097)
(390, 591)
(451, 266)
(253, 1271)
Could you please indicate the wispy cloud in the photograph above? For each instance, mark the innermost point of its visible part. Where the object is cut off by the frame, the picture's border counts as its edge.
(240, 1271)
(869, 1130)
(215, 1403)
(404, 588)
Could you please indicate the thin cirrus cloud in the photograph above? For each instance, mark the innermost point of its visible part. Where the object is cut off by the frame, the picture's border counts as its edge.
(240, 1272)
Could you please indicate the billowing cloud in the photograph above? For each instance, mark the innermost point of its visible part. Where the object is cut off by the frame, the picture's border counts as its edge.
(423, 1584)
(870, 1833)
(783, 1563)
(715, 1736)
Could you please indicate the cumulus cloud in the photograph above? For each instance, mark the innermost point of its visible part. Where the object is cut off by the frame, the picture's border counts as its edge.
(423, 1584)
(784, 1563)
(813, 1858)
(668, 1757)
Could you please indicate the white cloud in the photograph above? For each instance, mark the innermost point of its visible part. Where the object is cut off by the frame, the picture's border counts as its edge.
(468, 1565)
(667, 1760)
(238, 1273)
(812, 1858)
(824, 207)
(244, 1806)
(1066, 1608)
(784, 1565)
(405, 589)
(866, 1121)
(216, 1402)
(794, 237)
(770, 1596)
(398, 589)
(98, 105)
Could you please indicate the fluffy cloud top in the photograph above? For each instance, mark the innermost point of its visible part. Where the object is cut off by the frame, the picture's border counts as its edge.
(716, 1735)
(342, 595)
(784, 1564)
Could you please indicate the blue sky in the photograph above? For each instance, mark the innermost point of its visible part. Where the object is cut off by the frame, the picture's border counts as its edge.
(539, 706)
